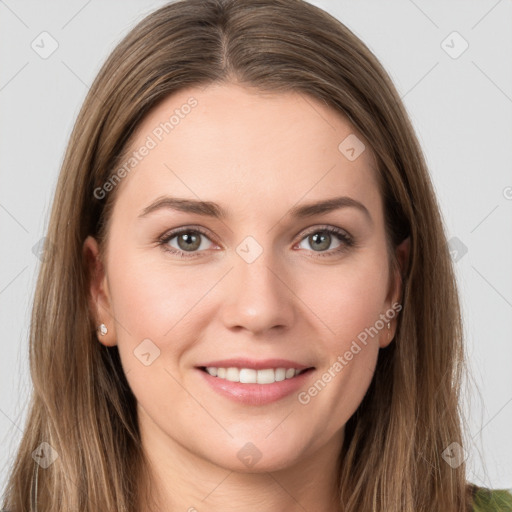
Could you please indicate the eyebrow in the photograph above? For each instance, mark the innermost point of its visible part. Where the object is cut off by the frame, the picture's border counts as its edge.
(211, 209)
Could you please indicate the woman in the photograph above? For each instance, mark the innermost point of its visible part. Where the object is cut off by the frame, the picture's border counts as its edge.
(249, 303)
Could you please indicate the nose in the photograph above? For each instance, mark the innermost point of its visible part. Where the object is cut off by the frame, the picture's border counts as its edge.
(258, 297)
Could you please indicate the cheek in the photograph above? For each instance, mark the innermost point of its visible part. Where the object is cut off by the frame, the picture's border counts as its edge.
(167, 305)
(349, 305)
(154, 310)
(153, 300)
(347, 298)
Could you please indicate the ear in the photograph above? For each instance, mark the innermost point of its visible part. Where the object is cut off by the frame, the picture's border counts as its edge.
(393, 303)
(100, 307)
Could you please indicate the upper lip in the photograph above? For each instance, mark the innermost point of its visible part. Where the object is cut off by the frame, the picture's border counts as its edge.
(251, 363)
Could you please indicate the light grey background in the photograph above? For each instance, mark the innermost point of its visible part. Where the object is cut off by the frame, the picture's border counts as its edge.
(462, 111)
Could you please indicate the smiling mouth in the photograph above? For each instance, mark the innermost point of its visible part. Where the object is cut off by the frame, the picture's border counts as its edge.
(253, 376)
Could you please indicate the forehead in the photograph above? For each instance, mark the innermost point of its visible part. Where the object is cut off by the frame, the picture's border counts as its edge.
(247, 149)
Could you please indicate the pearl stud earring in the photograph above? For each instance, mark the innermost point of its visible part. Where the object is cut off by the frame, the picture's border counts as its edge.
(102, 329)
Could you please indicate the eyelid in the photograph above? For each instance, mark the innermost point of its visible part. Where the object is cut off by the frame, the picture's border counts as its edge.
(325, 227)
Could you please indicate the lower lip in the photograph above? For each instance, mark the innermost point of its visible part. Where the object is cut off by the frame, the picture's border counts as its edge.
(256, 394)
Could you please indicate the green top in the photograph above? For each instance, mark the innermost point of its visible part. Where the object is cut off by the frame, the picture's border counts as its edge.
(491, 500)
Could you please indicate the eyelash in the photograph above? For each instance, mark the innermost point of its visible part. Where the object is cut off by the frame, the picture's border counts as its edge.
(347, 240)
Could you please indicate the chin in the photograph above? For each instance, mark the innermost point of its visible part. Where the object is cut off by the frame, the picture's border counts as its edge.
(259, 455)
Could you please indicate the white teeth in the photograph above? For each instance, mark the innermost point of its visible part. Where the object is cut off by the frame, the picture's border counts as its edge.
(233, 374)
(248, 376)
(280, 374)
(290, 373)
(251, 376)
(267, 376)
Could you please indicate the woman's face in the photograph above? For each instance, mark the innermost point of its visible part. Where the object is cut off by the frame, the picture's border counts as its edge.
(259, 281)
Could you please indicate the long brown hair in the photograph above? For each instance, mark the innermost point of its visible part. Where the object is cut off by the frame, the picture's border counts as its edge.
(82, 405)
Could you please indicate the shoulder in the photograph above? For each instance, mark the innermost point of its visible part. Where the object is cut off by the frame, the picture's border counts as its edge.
(491, 500)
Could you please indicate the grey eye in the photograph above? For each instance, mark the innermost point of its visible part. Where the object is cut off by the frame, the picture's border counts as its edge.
(320, 240)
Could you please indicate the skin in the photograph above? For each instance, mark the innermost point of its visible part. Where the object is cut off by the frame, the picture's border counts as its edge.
(256, 155)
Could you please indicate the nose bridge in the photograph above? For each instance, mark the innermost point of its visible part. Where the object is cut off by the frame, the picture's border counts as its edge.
(257, 298)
